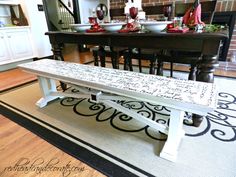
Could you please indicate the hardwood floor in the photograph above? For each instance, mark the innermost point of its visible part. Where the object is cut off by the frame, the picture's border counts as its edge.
(14, 77)
(18, 145)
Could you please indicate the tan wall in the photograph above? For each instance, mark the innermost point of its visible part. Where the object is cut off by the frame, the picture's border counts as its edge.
(222, 5)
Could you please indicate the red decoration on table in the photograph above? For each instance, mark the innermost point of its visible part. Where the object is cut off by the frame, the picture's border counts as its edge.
(95, 28)
(92, 20)
(133, 12)
(95, 31)
(178, 29)
(171, 25)
(193, 16)
(130, 27)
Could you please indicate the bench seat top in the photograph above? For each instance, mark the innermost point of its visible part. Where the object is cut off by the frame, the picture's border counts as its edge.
(191, 96)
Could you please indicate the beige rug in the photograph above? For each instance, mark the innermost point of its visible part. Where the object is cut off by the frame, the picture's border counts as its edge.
(205, 151)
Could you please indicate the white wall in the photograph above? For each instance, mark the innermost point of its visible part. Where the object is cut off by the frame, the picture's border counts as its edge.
(38, 24)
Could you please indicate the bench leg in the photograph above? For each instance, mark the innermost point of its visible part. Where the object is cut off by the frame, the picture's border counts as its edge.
(175, 134)
(46, 86)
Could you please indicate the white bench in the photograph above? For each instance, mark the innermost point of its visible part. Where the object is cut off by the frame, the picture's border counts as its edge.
(108, 84)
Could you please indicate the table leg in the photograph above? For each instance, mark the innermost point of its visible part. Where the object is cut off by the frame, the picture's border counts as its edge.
(128, 60)
(114, 58)
(57, 55)
(57, 52)
(206, 68)
(160, 62)
(192, 72)
(153, 61)
(102, 56)
(95, 56)
(205, 73)
(197, 120)
(139, 60)
(159, 67)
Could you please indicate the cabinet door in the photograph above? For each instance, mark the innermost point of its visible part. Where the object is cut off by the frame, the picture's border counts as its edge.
(20, 43)
(4, 52)
(9, 1)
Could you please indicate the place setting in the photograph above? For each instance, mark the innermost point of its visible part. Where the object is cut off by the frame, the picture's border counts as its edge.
(97, 24)
(138, 22)
(100, 13)
(135, 21)
(93, 26)
(130, 25)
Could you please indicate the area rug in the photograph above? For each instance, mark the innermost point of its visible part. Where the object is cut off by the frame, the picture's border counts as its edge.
(118, 145)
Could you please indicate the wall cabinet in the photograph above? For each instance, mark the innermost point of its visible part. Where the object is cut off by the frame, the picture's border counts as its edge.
(15, 45)
(9, 1)
(4, 52)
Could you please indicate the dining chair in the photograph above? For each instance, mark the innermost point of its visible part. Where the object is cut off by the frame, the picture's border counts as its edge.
(187, 57)
(144, 54)
(101, 52)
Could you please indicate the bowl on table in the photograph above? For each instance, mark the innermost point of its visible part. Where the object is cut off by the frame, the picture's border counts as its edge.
(155, 26)
(80, 27)
(112, 27)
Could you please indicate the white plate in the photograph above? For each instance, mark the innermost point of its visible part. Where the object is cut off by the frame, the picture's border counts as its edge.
(80, 27)
(112, 27)
(155, 26)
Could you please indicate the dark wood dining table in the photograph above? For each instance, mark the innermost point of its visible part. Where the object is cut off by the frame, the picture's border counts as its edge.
(208, 43)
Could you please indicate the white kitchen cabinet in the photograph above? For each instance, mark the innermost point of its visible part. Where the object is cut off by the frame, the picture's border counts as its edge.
(16, 44)
(4, 52)
(9, 2)
(20, 43)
